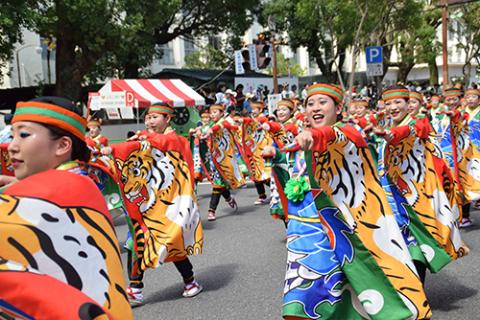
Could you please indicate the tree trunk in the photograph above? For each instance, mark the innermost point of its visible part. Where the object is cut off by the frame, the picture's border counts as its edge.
(403, 71)
(68, 76)
(132, 66)
(433, 70)
(467, 70)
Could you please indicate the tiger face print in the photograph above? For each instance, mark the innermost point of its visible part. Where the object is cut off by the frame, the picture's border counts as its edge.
(77, 246)
(411, 165)
(159, 183)
(145, 172)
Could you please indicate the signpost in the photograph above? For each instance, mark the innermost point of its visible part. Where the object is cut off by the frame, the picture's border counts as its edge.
(273, 100)
(253, 57)
(238, 62)
(374, 57)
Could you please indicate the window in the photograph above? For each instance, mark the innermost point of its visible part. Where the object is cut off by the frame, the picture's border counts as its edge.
(166, 54)
(188, 45)
(215, 42)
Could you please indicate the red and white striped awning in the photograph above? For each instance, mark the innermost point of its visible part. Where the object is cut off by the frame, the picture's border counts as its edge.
(143, 92)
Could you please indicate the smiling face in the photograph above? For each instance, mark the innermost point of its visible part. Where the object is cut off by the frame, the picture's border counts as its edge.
(435, 102)
(93, 131)
(156, 122)
(283, 113)
(205, 118)
(398, 109)
(216, 114)
(472, 100)
(413, 106)
(321, 110)
(256, 110)
(362, 110)
(452, 102)
(33, 150)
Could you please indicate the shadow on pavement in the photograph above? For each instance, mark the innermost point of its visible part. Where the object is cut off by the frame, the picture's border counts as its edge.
(444, 296)
(475, 227)
(222, 276)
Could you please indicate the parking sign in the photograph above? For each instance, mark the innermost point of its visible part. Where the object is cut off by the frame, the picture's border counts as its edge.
(374, 57)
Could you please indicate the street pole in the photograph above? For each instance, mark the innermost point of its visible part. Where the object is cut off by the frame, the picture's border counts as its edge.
(19, 76)
(445, 44)
(274, 68)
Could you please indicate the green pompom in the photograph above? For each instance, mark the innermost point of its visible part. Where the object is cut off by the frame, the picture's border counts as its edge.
(296, 188)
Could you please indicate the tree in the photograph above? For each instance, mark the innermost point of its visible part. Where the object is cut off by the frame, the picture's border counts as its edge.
(13, 15)
(324, 27)
(209, 57)
(468, 33)
(104, 38)
(287, 67)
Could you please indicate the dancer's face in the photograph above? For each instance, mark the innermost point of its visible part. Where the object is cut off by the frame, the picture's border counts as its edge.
(321, 110)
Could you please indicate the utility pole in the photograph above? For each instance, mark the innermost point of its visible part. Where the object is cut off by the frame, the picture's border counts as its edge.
(445, 43)
(274, 67)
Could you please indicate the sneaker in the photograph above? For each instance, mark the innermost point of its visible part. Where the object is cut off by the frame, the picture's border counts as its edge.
(233, 204)
(476, 205)
(465, 223)
(211, 216)
(135, 296)
(192, 289)
(261, 201)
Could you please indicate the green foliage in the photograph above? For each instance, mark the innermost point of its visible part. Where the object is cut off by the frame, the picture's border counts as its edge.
(209, 57)
(14, 14)
(287, 67)
(104, 38)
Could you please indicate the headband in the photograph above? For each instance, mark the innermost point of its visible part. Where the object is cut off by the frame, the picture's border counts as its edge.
(257, 104)
(285, 103)
(161, 109)
(416, 95)
(392, 94)
(474, 92)
(452, 92)
(329, 90)
(220, 107)
(51, 114)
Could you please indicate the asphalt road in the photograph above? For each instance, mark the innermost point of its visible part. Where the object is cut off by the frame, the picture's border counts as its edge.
(243, 267)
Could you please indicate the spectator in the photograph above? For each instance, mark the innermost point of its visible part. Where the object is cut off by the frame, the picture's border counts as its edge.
(240, 97)
(6, 133)
(220, 95)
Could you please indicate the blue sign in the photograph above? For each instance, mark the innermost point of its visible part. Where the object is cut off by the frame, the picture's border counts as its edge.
(374, 54)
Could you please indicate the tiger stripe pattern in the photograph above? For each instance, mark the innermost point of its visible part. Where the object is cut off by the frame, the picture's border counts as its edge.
(348, 176)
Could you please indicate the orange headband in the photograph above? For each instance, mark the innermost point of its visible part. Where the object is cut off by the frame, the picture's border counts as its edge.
(51, 114)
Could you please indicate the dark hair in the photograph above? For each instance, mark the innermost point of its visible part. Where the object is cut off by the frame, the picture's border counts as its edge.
(130, 134)
(80, 150)
(8, 118)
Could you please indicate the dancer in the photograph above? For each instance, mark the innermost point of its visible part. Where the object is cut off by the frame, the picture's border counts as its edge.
(156, 178)
(346, 199)
(66, 235)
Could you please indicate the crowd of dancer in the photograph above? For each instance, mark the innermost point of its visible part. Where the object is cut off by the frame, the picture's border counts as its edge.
(372, 197)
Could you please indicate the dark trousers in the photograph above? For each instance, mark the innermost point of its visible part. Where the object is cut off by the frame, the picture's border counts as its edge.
(217, 192)
(421, 269)
(260, 186)
(183, 266)
(466, 210)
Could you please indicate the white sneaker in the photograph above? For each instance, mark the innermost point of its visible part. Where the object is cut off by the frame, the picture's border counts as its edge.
(192, 289)
(135, 296)
(465, 223)
(261, 201)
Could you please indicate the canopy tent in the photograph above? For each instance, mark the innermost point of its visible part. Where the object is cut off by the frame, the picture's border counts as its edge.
(120, 95)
